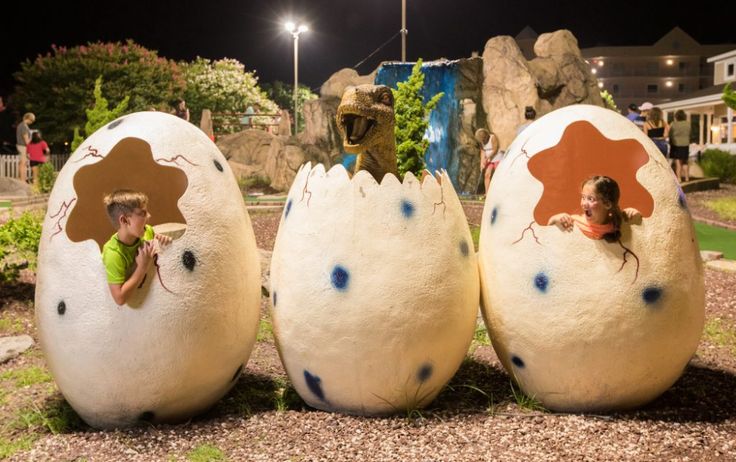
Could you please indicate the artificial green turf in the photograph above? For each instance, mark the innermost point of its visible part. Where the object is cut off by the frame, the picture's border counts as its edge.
(719, 239)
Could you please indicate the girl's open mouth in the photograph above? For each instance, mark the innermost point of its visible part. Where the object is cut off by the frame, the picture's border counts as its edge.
(588, 213)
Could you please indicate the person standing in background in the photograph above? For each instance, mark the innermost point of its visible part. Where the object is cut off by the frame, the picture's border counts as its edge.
(680, 144)
(529, 115)
(181, 110)
(657, 129)
(22, 139)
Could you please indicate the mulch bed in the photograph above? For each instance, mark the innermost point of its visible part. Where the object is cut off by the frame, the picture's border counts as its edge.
(475, 418)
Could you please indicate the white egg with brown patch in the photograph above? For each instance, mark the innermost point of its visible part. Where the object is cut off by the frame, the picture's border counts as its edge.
(181, 341)
(585, 324)
(374, 289)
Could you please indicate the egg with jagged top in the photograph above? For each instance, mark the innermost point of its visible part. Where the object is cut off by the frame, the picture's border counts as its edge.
(183, 337)
(374, 289)
(586, 324)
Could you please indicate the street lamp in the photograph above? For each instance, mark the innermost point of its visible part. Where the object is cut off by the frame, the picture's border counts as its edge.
(295, 31)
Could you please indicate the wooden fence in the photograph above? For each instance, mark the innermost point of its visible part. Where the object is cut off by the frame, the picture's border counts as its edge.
(9, 164)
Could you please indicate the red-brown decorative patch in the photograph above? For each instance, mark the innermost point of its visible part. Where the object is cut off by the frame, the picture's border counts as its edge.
(128, 165)
(582, 152)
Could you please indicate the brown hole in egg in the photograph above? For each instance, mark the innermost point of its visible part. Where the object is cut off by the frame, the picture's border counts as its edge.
(129, 165)
(582, 152)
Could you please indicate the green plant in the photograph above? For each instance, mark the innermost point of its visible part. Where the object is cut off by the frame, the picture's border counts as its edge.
(254, 181)
(223, 86)
(729, 96)
(55, 417)
(99, 115)
(475, 234)
(206, 453)
(56, 85)
(283, 94)
(28, 376)
(265, 331)
(725, 207)
(46, 177)
(529, 403)
(608, 100)
(8, 447)
(481, 335)
(720, 164)
(719, 334)
(19, 238)
(412, 120)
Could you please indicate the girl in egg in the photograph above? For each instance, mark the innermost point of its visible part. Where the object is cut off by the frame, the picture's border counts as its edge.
(602, 217)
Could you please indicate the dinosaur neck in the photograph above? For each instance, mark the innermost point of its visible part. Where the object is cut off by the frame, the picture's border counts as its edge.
(378, 160)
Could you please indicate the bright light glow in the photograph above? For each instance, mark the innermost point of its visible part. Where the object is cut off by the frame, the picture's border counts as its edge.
(290, 26)
(600, 63)
(715, 128)
(594, 71)
(668, 83)
(670, 62)
(600, 84)
(302, 28)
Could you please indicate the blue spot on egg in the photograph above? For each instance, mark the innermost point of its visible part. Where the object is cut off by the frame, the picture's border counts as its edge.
(315, 385)
(340, 278)
(494, 214)
(541, 282)
(407, 209)
(464, 248)
(288, 209)
(115, 124)
(424, 372)
(651, 295)
(518, 362)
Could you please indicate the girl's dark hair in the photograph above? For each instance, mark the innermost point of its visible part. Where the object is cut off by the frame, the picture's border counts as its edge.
(608, 190)
(36, 137)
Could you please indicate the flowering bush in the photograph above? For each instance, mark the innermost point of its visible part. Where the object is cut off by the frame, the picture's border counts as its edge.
(223, 86)
(57, 86)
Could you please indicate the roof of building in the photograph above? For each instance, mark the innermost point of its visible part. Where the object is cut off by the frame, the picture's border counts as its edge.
(676, 42)
(722, 56)
(707, 95)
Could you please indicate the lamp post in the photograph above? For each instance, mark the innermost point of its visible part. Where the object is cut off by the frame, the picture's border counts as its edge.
(295, 31)
(403, 31)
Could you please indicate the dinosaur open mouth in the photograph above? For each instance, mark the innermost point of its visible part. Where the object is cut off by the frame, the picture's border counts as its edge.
(356, 127)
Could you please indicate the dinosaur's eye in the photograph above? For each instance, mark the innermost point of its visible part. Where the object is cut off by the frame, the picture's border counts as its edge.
(386, 98)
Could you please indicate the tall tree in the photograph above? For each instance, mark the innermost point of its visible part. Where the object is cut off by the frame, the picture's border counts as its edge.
(56, 86)
(99, 115)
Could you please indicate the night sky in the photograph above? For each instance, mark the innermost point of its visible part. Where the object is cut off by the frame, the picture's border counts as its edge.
(342, 32)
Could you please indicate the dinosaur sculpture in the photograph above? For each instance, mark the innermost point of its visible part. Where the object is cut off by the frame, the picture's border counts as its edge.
(365, 119)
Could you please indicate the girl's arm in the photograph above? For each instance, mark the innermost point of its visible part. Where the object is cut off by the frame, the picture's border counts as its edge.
(562, 221)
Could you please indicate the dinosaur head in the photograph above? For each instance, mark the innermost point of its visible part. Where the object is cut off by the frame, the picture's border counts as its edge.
(365, 117)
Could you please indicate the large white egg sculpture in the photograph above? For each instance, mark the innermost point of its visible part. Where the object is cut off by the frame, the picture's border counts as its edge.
(584, 324)
(374, 289)
(181, 341)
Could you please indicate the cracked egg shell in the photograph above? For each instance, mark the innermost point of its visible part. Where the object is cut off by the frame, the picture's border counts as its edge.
(374, 289)
(181, 341)
(583, 324)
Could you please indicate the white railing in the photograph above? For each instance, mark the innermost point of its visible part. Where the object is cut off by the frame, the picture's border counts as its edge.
(9, 164)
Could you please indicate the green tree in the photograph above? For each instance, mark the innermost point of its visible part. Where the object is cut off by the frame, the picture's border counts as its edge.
(412, 120)
(223, 86)
(608, 100)
(55, 86)
(283, 95)
(729, 96)
(99, 115)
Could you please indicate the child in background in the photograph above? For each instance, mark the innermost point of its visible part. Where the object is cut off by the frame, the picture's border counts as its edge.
(602, 217)
(130, 251)
(37, 150)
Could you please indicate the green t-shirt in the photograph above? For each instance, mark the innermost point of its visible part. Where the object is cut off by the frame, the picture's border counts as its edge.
(119, 259)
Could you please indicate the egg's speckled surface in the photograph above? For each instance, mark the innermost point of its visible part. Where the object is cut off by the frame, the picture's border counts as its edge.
(374, 289)
(584, 324)
(184, 336)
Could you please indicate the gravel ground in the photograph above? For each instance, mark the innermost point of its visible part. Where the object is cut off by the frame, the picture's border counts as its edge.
(475, 418)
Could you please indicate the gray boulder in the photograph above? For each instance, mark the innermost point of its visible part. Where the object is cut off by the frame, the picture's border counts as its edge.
(10, 347)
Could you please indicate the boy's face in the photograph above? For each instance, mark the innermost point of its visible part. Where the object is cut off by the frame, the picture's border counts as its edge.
(135, 222)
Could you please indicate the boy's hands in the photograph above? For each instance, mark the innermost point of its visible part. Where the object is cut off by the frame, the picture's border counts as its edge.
(144, 257)
(163, 239)
(562, 221)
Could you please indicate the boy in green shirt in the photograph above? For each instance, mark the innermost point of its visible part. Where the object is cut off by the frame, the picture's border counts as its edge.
(129, 252)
